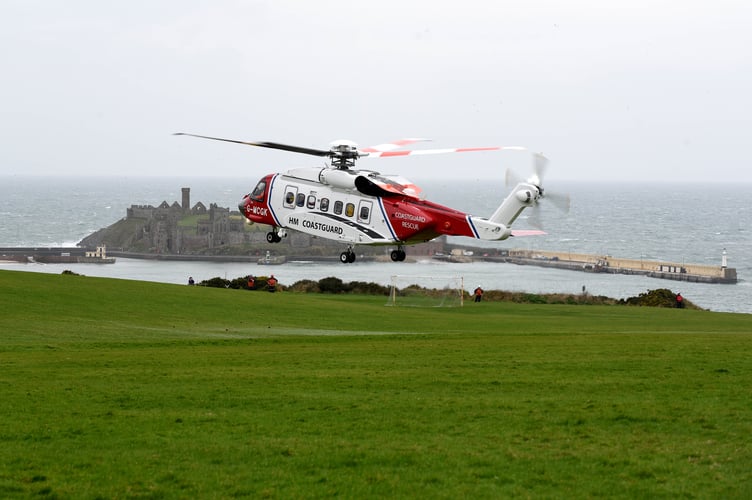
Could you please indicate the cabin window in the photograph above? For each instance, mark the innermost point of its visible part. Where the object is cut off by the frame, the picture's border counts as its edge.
(338, 207)
(350, 209)
(364, 212)
(324, 206)
(311, 202)
(290, 195)
(300, 200)
(258, 192)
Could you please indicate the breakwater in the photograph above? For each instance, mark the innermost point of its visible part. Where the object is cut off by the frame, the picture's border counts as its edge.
(55, 255)
(694, 273)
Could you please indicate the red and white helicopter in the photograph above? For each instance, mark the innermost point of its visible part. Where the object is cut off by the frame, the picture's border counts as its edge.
(364, 207)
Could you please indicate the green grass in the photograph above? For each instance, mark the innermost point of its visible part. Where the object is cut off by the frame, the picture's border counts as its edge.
(114, 388)
(189, 224)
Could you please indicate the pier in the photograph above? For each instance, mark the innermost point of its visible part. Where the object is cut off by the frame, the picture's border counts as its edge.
(56, 255)
(695, 273)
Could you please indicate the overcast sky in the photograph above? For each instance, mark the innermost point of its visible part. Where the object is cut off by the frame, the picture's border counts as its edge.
(608, 90)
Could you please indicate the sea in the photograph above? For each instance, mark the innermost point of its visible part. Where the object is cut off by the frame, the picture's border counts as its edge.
(675, 222)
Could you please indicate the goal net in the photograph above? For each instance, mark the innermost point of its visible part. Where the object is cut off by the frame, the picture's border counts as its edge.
(426, 291)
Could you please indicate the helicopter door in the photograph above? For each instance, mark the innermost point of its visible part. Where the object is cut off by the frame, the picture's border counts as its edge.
(291, 193)
(364, 211)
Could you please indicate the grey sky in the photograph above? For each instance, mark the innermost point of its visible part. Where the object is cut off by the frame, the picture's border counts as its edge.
(628, 90)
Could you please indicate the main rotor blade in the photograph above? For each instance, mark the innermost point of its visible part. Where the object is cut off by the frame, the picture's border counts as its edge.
(270, 145)
(391, 146)
(388, 154)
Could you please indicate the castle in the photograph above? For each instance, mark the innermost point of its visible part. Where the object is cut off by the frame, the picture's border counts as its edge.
(178, 228)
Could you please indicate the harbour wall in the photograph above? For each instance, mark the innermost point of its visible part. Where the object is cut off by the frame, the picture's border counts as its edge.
(699, 273)
(53, 255)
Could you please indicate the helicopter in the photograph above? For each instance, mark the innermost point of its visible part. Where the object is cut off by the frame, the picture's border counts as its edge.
(364, 207)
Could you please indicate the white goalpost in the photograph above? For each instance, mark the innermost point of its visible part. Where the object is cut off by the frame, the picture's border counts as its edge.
(426, 291)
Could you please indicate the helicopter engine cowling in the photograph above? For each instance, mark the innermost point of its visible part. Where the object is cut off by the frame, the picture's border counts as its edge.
(338, 178)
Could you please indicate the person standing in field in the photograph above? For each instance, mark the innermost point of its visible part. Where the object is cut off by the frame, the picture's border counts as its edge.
(679, 301)
(251, 282)
(478, 292)
(271, 284)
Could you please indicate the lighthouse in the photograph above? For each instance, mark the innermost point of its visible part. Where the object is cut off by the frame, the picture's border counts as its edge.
(723, 260)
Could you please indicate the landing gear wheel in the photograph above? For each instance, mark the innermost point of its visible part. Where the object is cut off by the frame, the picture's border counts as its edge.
(347, 257)
(398, 255)
(273, 237)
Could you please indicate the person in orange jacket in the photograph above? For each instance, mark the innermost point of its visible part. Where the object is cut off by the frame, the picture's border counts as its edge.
(271, 283)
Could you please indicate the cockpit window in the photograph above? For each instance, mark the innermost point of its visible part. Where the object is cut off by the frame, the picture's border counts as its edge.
(258, 192)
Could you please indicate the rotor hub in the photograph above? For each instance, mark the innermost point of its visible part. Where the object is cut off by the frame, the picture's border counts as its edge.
(343, 154)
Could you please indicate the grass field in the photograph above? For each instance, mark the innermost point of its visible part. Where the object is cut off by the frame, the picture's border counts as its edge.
(119, 389)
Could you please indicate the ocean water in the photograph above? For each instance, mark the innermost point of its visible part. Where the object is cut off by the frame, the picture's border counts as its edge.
(682, 223)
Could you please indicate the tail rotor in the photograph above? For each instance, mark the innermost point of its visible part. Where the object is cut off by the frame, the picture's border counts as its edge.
(559, 200)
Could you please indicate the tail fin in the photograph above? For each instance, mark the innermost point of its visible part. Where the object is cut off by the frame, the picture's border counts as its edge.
(524, 195)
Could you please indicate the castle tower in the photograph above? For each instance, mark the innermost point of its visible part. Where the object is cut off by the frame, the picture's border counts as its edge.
(186, 199)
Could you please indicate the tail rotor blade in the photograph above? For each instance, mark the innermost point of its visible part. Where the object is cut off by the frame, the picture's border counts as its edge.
(559, 200)
(534, 219)
(512, 178)
(539, 168)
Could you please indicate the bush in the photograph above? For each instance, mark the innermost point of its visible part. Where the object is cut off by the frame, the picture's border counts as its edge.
(532, 298)
(367, 288)
(661, 297)
(305, 286)
(216, 283)
(240, 283)
(332, 285)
